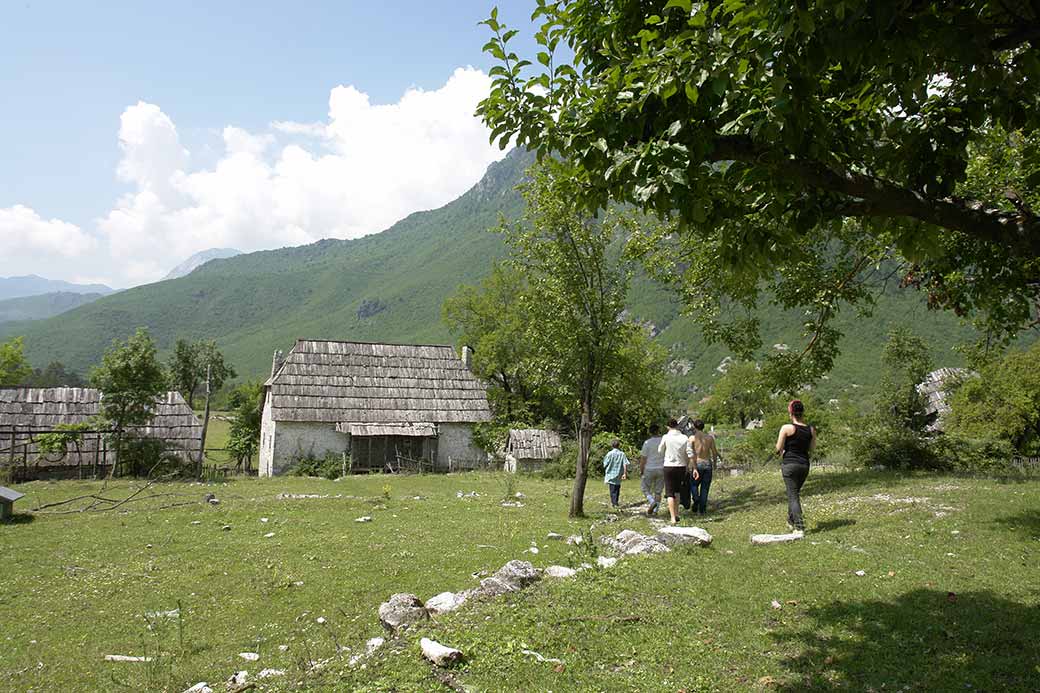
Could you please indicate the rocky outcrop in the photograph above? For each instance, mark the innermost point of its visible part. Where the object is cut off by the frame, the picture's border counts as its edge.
(401, 611)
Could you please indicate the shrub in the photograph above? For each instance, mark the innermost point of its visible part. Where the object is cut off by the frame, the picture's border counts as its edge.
(894, 447)
(144, 457)
(330, 467)
(564, 465)
(985, 455)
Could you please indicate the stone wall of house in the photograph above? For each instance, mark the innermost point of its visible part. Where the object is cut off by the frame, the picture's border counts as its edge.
(267, 432)
(455, 447)
(291, 441)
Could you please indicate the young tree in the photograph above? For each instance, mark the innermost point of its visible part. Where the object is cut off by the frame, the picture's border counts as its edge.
(188, 364)
(55, 375)
(131, 380)
(906, 361)
(574, 297)
(815, 148)
(14, 369)
(244, 439)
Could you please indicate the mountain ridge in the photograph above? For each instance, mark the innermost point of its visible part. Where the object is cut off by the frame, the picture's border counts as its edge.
(35, 285)
(200, 258)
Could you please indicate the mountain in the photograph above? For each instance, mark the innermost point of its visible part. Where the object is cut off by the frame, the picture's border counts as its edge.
(32, 285)
(43, 305)
(200, 258)
(390, 286)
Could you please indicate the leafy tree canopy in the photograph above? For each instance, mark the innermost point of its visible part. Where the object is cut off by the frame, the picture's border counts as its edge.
(740, 394)
(130, 378)
(812, 150)
(905, 362)
(188, 365)
(14, 369)
(1003, 403)
(246, 402)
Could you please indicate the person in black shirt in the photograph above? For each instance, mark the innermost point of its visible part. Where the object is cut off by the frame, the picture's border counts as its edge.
(794, 442)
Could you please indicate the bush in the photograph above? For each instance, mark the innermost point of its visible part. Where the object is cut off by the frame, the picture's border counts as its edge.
(330, 467)
(895, 448)
(144, 457)
(986, 455)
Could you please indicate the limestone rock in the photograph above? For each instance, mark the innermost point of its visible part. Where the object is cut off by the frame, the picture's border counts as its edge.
(632, 543)
(439, 654)
(445, 602)
(249, 656)
(684, 535)
(370, 648)
(267, 673)
(365, 518)
(401, 611)
(556, 536)
(519, 573)
(560, 571)
(575, 539)
(762, 539)
(605, 561)
(200, 687)
(238, 678)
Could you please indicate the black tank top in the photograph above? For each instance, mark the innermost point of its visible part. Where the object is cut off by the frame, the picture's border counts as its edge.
(796, 445)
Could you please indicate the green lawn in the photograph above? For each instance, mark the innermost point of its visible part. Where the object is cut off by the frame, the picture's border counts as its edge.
(950, 599)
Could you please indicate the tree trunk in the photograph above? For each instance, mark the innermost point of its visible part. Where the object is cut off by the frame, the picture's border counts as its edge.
(205, 425)
(581, 472)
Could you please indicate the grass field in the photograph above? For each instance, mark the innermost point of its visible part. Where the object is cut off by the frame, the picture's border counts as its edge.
(949, 599)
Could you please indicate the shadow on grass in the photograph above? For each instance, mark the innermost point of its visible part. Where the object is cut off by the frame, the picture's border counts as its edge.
(830, 525)
(1026, 523)
(18, 519)
(926, 640)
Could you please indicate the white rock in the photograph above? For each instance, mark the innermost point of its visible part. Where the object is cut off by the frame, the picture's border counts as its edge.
(370, 647)
(444, 602)
(439, 654)
(126, 658)
(511, 504)
(196, 522)
(554, 536)
(684, 535)
(283, 648)
(365, 518)
(532, 550)
(268, 535)
(320, 620)
(264, 519)
(237, 679)
(560, 571)
(267, 673)
(776, 605)
(401, 611)
(762, 539)
(249, 656)
(200, 687)
(226, 528)
(861, 573)
(605, 561)
(575, 539)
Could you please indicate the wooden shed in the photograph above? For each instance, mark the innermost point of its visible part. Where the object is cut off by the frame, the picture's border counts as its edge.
(388, 407)
(934, 391)
(528, 449)
(26, 413)
(7, 498)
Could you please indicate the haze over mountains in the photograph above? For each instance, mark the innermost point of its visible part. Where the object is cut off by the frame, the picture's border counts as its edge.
(32, 285)
(390, 286)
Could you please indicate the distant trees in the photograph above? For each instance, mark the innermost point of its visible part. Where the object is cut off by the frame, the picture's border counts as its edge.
(740, 394)
(246, 403)
(905, 361)
(14, 369)
(188, 364)
(55, 375)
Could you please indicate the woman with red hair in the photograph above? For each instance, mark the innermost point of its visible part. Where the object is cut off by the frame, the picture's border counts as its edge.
(795, 441)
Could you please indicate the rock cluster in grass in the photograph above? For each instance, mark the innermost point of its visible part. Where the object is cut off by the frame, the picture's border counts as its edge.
(401, 611)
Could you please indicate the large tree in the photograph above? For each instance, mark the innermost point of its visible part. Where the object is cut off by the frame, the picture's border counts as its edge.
(809, 150)
(189, 364)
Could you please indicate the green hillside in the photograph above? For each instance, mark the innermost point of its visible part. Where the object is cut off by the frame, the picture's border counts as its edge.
(390, 286)
(43, 305)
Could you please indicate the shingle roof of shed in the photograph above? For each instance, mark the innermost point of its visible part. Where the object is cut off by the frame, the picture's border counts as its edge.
(44, 408)
(358, 382)
(533, 443)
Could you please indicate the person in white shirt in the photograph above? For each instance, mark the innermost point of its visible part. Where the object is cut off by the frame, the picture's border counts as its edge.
(676, 461)
(651, 469)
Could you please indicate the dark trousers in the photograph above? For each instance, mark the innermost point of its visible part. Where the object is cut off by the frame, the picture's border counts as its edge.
(685, 494)
(700, 489)
(794, 474)
(615, 494)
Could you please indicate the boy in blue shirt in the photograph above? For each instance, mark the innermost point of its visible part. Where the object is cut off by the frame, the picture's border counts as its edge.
(615, 469)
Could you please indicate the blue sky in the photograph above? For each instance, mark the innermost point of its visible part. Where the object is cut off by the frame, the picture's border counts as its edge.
(72, 74)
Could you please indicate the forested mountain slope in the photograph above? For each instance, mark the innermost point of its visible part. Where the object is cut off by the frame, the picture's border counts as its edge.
(390, 286)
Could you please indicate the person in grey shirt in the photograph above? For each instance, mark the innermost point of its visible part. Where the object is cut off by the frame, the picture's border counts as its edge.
(651, 469)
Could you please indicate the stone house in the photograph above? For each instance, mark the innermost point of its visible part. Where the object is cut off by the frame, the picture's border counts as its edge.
(385, 407)
(528, 449)
(26, 413)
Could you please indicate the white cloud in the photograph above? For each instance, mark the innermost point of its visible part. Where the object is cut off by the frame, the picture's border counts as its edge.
(30, 244)
(368, 166)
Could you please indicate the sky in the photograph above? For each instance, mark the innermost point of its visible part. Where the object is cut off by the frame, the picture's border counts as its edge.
(134, 134)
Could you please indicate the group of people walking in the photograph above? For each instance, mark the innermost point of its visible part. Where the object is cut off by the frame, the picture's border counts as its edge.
(682, 466)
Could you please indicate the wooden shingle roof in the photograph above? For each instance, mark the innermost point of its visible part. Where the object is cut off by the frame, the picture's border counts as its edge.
(362, 383)
(533, 443)
(44, 408)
